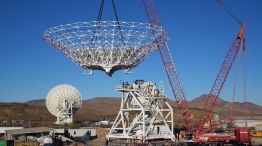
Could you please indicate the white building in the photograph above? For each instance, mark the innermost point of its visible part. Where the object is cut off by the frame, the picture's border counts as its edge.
(250, 123)
(3, 129)
(78, 132)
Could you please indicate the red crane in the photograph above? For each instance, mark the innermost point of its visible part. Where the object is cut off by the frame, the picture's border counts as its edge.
(211, 101)
(174, 77)
(170, 67)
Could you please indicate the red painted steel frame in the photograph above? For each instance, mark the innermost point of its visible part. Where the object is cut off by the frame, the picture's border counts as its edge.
(170, 67)
(211, 101)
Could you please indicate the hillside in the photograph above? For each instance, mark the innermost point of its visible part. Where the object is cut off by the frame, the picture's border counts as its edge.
(21, 114)
(97, 108)
(39, 102)
(225, 106)
(101, 108)
(16, 111)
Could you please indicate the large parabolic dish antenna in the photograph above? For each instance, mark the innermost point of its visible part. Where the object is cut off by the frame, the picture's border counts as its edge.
(63, 101)
(105, 45)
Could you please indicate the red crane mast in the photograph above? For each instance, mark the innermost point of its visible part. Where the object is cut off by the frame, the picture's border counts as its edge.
(210, 103)
(170, 67)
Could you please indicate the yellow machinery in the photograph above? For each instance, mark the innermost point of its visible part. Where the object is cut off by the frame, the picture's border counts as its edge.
(256, 134)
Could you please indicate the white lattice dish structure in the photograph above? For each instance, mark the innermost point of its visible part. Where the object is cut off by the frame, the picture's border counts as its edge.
(105, 45)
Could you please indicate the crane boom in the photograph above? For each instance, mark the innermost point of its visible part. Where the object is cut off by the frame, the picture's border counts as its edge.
(170, 68)
(211, 101)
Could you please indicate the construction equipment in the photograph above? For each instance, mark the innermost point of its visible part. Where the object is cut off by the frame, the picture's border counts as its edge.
(176, 86)
(211, 101)
(241, 135)
(175, 83)
(170, 67)
(256, 134)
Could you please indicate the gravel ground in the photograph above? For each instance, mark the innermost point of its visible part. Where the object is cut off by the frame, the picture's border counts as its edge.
(257, 141)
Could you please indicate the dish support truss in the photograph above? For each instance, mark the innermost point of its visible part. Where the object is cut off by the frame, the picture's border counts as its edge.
(144, 115)
(65, 113)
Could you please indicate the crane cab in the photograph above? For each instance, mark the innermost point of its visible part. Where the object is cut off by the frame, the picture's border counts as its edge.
(243, 135)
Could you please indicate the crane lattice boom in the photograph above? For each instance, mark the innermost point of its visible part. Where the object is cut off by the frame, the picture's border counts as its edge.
(206, 113)
(170, 67)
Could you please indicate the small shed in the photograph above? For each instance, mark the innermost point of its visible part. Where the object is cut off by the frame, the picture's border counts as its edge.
(24, 133)
(3, 129)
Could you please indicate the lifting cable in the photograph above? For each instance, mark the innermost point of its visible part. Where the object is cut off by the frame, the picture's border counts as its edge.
(100, 13)
(99, 18)
(229, 12)
(241, 59)
(117, 20)
(233, 105)
(245, 81)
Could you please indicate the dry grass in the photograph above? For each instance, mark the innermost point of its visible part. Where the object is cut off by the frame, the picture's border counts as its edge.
(28, 143)
(101, 133)
(257, 141)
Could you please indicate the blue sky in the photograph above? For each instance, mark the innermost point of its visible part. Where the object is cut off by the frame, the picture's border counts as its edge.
(201, 33)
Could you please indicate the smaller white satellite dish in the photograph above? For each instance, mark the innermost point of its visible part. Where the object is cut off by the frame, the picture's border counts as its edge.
(63, 101)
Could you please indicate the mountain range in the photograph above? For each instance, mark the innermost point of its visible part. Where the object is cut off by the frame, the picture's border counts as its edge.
(100, 108)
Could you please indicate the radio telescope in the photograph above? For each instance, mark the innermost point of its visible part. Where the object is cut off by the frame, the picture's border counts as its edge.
(63, 101)
(106, 45)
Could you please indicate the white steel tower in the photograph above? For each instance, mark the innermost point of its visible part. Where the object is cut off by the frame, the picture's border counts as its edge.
(144, 114)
